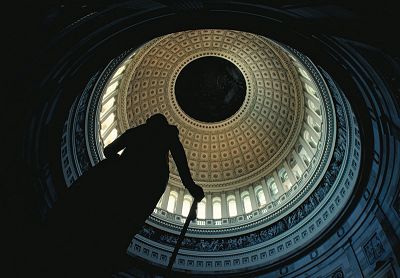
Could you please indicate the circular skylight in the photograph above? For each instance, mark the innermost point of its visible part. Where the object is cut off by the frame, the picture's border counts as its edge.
(210, 89)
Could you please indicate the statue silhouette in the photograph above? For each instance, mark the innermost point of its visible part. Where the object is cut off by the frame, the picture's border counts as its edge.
(90, 228)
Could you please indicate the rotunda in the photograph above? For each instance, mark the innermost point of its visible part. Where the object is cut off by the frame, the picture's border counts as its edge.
(265, 135)
(288, 112)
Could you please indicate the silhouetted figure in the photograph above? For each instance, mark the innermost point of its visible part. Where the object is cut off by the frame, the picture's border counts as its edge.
(91, 228)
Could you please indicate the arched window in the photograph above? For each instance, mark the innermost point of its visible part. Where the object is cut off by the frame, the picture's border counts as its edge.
(111, 137)
(106, 106)
(246, 202)
(295, 168)
(119, 71)
(282, 174)
(107, 122)
(303, 155)
(272, 186)
(201, 209)
(304, 73)
(260, 196)
(172, 199)
(314, 108)
(313, 124)
(216, 204)
(231, 200)
(309, 139)
(311, 90)
(187, 203)
(284, 177)
(111, 88)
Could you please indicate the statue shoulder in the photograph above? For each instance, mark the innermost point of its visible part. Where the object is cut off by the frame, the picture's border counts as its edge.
(173, 130)
(136, 129)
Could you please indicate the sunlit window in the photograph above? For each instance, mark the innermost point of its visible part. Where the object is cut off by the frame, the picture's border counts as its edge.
(304, 73)
(272, 186)
(107, 122)
(187, 203)
(260, 196)
(246, 202)
(311, 90)
(106, 106)
(216, 204)
(201, 209)
(282, 174)
(314, 108)
(119, 71)
(296, 170)
(284, 177)
(303, 155)
(309, 139)
(111, 89)
(232, 205)
(173, 197)
(313, 124)
(111, 137)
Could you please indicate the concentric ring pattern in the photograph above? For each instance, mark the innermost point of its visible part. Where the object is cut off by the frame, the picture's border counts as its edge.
(238, 150)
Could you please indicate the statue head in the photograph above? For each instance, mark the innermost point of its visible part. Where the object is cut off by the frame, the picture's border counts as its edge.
(157, 120)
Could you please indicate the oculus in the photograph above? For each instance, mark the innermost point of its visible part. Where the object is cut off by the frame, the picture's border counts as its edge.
(210, 89)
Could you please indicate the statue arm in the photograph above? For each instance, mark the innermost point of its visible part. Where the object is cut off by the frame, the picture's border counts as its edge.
(179, 156)
(111, 151)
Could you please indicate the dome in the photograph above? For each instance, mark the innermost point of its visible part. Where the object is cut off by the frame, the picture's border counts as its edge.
(264, 164)
(234, 151)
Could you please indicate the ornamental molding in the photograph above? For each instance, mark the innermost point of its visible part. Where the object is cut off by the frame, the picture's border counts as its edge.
(244, 147)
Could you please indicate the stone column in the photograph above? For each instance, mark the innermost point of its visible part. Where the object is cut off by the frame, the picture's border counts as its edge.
(108, 97)
(267, 193)
(254, 204)
(114, 80)
(279, 184)
(305, 145)
(164, 201)
(299, 161)
(314, 115)
(107, 132)
(313, 99)
(292, 178)
(239, 205)
(308, 82)
(179, 202)
(312, 132)
(107, 113)
(209, 212)
(224, 206)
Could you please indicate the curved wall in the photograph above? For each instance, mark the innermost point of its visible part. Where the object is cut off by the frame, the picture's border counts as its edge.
(364, 240)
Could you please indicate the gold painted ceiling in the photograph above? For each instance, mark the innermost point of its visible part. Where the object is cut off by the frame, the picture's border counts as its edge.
(242, 148)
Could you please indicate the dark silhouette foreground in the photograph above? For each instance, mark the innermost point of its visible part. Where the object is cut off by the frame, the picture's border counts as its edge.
(90, 229)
